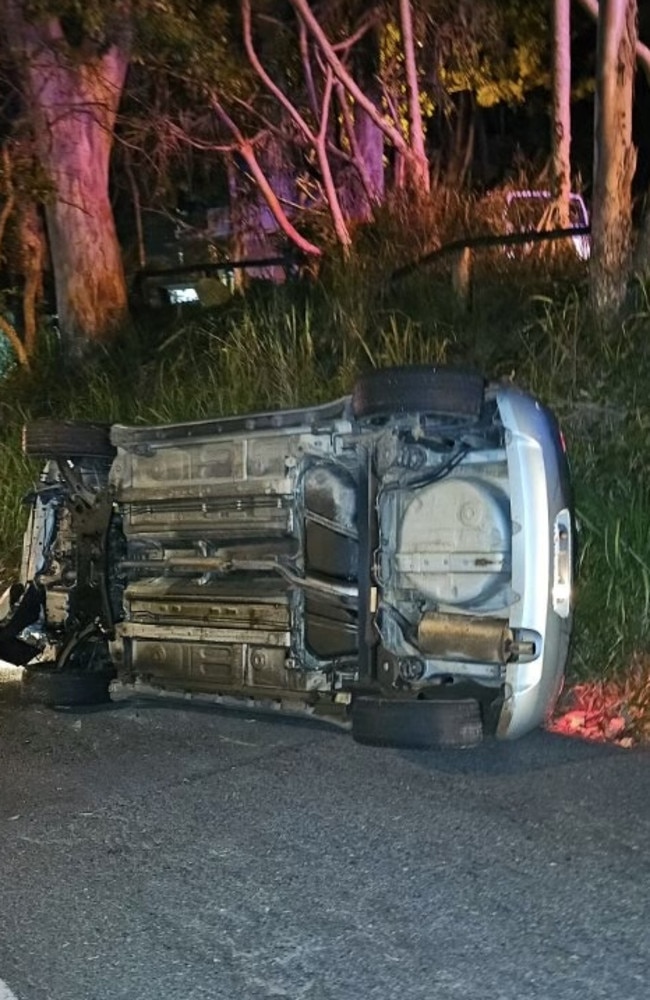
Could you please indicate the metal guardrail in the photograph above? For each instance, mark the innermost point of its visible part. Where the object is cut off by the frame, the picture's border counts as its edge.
(290, 261)
(476, 242)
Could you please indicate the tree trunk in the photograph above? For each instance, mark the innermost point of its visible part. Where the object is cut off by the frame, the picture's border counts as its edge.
(419, 163)
(370, 140)
(366, 185)
(614, 158)
(561, 109)
(642, 51)
(258, 176)
(73, 99)
(32, 248)
(75, 148)
(461, 146)
(27, 256)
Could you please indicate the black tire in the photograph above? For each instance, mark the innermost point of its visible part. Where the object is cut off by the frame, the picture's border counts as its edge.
(452, 392)
(44, 685)
(66, 439)
(417, 724)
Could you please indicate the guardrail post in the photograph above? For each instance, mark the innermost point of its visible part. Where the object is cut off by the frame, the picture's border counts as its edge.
(461, 278)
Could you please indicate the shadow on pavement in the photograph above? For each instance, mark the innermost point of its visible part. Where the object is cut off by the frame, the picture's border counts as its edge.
(535, 752)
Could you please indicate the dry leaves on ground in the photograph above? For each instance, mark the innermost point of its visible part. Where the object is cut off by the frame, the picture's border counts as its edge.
(613, 711)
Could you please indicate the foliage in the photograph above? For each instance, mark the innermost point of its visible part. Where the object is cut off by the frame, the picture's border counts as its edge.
(189, 73)
(497, 51)
(7, 358)
(190, 41)
(17, 476)
(187, 52)
(595, 386)
(391, 68)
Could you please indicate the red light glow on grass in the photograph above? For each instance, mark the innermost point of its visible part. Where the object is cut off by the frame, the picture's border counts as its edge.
(613, 711)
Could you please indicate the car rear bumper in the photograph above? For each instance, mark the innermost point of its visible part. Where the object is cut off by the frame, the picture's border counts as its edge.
(542, 560)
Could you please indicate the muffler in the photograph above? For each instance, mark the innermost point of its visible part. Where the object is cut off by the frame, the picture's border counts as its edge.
(469, 639)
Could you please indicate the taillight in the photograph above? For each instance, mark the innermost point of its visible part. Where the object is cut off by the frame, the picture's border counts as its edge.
(562, 564)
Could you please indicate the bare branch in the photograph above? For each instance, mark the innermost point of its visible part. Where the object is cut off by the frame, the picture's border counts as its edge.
(304, 11)
(326, 170)
(369, 21)
(390, 101)
(205, 145)
(356, 158)
(303, 41)
(319, 140)
(325, 109)
(137, 210)
(246, 150)
(270, 84)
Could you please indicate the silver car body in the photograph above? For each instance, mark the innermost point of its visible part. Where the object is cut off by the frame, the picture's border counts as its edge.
(298, 557)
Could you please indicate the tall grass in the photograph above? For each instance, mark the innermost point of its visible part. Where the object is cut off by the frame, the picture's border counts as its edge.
(16, 477)
(596, 384)
(302, 344)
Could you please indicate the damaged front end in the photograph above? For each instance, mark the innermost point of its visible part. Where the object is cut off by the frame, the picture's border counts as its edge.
(20, 608)
(59, 618)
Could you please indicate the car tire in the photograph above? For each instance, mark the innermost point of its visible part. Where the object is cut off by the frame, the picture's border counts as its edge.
(453, 392)
(45, 685)
(67, 439)
(417, 724)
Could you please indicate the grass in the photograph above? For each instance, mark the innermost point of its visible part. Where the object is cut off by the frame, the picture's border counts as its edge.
(306, 342)
(596, 385)
(17, 477)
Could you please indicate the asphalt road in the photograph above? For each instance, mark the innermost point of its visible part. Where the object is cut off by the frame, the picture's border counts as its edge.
(150, 853)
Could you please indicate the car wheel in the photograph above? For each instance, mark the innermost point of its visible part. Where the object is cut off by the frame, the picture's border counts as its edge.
(45, 685)
(453, 392)
(417, 724)
(66, 439)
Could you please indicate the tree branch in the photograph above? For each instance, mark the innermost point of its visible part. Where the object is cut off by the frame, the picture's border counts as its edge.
(304, 11)
(245, 148)
(356, 158)
(352, 39)
(319, 140)
(270, 84)
(326, 170)
(303, 42)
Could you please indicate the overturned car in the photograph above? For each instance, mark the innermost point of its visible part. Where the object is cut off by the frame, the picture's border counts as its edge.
(399, 559)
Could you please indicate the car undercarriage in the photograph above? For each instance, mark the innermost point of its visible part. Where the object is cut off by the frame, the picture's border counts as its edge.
(399, 558)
